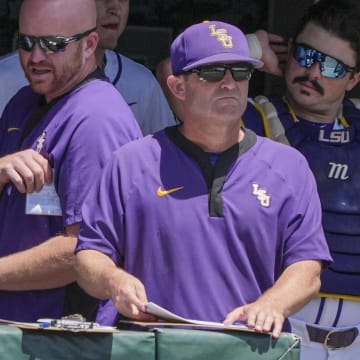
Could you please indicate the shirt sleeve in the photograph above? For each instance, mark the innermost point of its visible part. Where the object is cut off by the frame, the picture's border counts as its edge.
(93, 133)
(102, 228)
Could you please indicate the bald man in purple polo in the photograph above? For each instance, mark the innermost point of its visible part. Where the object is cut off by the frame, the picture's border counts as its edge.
(55, 138)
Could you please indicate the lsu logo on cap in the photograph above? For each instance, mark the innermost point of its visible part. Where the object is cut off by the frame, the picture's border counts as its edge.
(222, 36)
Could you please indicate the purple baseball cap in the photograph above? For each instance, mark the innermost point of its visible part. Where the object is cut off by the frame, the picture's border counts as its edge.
(209, 42)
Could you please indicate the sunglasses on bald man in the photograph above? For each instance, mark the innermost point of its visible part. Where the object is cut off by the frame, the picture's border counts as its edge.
(216, 72)
(330, 67)
(49, 44)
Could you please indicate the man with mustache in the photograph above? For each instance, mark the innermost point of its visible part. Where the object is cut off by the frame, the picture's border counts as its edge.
(211, 199)
(315, 117)
(135, 82)
(55, 137)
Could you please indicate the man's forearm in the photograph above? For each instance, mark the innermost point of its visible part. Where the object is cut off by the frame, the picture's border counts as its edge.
(95, 273)
(48, 265)
(299, 283)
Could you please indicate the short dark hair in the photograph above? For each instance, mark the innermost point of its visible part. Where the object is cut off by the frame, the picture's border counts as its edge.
(339, 17)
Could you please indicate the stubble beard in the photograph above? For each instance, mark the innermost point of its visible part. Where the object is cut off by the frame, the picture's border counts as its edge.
(61, 77)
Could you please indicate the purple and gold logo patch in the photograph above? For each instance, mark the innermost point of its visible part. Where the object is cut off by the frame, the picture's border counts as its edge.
(222, 36)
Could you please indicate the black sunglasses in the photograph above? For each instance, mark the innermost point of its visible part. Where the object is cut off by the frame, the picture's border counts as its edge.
(216, 72)
(49, 44)
(330, 67)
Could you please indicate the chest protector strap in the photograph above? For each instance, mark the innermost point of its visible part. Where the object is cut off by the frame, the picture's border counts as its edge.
(272, 125)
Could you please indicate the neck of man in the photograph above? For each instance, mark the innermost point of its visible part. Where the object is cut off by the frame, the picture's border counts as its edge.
(325, 114)
(100, 57)
(74, 83)
(214, 139)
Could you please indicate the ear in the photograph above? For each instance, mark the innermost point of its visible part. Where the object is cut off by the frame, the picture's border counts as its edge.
(91, 43)
(176, 85)
(353, 81)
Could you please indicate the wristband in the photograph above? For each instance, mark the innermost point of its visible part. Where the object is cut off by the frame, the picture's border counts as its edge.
(254, 46)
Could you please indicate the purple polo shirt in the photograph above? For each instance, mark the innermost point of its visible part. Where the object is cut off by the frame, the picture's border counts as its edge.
(205, 248)
(80, 130)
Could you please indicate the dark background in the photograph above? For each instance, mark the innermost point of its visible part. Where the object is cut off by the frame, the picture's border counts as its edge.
(153, 24)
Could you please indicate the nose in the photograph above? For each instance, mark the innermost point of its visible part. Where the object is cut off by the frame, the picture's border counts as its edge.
(314, 71)
(228, 80)
(114, 7)
(37, 54)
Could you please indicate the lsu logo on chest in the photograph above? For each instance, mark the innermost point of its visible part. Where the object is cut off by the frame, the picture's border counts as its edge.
(334, 137)
(261, 195)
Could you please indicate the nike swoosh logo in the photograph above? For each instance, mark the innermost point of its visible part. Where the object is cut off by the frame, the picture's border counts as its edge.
(12, 129)
(162, 193)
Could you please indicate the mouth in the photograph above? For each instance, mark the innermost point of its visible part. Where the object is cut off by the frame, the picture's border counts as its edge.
(228, 102)
(311, 87)
(306, 89)
(307, 84)
(113, 27)
(229, 97)
(39, 71)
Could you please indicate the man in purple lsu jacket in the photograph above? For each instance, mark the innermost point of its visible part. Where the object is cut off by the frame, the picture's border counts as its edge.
(205, 218)
(55, 136)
